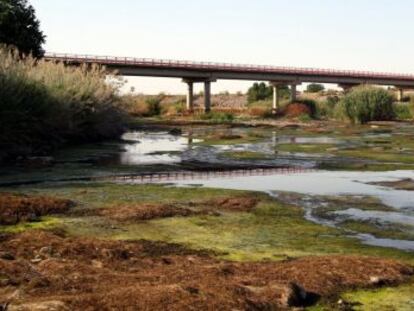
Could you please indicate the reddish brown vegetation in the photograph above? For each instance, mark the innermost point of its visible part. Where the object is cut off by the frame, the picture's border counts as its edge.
(90, 274)
(142, 212)
(296, 109)
(16, 208)
(235, 204)
(139, 212)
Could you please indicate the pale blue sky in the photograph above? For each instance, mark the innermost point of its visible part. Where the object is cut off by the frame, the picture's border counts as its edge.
(349, 34)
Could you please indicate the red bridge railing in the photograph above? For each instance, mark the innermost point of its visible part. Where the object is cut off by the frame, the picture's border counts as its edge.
(168, 63)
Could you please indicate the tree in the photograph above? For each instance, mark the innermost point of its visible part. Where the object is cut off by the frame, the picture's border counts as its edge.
(20, 28)
(315, 88)
(259, 91)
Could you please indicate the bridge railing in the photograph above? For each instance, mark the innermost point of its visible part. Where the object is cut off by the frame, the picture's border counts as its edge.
(152, 62)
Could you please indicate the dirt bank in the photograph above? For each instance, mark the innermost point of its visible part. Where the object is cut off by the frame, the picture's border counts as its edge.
(48, 269)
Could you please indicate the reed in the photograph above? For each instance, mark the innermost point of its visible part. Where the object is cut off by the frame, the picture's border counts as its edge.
(44, 105)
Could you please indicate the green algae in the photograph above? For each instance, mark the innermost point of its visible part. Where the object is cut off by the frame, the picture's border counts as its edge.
(44, 223)
(399, 298)
(273, 231)
(245, 155)
(380, 230)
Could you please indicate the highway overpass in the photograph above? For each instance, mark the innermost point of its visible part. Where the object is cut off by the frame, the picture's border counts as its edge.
(208, 72)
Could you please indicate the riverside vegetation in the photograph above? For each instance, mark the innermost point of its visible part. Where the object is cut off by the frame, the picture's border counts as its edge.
(45, 105)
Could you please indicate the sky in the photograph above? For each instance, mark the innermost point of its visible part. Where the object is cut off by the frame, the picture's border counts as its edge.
(340, 34)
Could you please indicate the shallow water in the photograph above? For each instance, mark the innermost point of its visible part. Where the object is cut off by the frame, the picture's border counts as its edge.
(333, 183)
(152, 148)
(139, 151)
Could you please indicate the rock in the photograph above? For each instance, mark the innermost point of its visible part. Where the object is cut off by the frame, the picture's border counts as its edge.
(53, 305)
(275, 296)
(46, 251)
(97, 264)
(37, 259)
(377, 281)
(6, 256)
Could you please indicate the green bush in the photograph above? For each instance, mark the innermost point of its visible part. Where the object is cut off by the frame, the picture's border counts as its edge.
(261, 91)
(315, 88)
(43, 105)
(326, 108)
(404, 111)
(219, 117)
(154, 106)
(367, 103)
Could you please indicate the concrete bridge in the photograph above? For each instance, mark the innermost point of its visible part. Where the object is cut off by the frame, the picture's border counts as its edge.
(208, 72)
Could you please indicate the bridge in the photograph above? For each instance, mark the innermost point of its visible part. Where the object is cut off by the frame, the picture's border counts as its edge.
(207, 72)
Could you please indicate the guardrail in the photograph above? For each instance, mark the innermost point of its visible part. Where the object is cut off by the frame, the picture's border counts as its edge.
(168, 63)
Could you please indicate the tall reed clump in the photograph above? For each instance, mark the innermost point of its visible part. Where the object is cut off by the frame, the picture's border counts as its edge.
(367, 103)
(44, 105)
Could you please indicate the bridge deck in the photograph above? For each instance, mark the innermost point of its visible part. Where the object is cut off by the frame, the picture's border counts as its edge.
(119, 62)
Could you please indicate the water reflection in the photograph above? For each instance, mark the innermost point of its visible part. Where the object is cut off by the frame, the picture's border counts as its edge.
(153, 148)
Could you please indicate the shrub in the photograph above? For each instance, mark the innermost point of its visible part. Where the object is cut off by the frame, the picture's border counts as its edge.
(43, 105)
(259, 91)
(219, 117)
(404, 111)
(326, 108)
(315, 88)
(154, 106)
(367, 103)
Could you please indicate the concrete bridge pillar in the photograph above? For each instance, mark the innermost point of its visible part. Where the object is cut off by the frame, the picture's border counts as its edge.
(293, 93)
(207, 96)
(293, 90)
(190, 96)
(400, 94)
(276, 97)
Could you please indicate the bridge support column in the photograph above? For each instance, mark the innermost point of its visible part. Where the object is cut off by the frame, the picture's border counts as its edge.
(400, 94)
(207, 96)
(293, 91)
(190, 96)
(276, 98)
